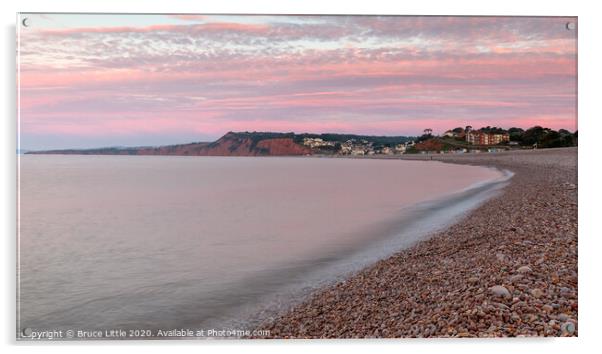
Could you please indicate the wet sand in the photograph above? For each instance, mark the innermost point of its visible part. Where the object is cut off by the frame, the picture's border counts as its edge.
(509, 268)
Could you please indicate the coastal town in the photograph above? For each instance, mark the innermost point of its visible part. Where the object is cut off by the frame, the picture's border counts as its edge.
(454, 141)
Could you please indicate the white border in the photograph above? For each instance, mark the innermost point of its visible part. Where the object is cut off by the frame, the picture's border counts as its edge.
(590, 20)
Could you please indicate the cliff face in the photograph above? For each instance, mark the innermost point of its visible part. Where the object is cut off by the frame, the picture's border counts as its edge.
(282, 147)
(231, 144)
(235, 144)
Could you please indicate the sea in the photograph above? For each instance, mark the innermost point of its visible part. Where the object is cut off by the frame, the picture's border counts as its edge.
(159, 243)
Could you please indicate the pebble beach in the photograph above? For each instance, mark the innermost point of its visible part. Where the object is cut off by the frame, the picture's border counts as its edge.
(507, 269)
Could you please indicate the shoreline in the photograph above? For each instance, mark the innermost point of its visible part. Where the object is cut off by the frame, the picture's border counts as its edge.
(508, 268)
(412, 225)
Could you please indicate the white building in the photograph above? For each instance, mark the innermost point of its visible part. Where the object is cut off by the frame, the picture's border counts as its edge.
(400, 148)
(317, 142)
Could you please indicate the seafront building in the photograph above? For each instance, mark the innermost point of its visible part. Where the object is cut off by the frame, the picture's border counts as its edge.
(476, 137)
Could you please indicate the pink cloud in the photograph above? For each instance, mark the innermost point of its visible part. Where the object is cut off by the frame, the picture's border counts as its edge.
(190, 17)
(196, 28)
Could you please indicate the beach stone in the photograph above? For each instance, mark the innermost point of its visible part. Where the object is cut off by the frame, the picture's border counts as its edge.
(567, 328)
(516, 277)
(563, 317)
(537, 293)
(499, 290)
(524, 269)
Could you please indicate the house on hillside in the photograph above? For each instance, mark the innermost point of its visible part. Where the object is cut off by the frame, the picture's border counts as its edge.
(455, 133)
(317, 142)
(347, 147)
(358, 151)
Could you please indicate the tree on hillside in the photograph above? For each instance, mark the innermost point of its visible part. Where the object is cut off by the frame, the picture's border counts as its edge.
(492, 130)
(516, 134)
(428, 133)
(534, 135)
(548, 138)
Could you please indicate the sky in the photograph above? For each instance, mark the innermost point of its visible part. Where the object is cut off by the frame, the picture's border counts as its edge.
(130, 80)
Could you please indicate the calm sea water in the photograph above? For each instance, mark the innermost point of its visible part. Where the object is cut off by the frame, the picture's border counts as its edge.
(158, 242)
